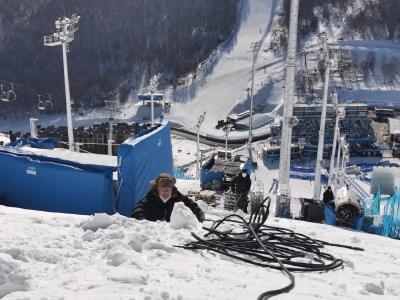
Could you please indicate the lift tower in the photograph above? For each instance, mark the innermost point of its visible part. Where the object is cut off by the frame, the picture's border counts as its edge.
(288, 120)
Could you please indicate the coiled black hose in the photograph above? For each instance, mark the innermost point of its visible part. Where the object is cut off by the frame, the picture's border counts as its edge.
(268, 246)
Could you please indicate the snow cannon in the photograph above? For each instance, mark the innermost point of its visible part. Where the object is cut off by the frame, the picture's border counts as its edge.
(346, 207)
(345, 210)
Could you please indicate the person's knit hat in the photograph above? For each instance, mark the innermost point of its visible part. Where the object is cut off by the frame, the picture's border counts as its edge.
(165, 180)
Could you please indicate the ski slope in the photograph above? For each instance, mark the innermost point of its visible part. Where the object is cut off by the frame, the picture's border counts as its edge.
(226, 86)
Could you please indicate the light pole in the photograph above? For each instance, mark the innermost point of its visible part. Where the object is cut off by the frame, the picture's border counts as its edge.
(317, 181)
(288, 122)
(153, 87)
(65, 30)
(198, 125)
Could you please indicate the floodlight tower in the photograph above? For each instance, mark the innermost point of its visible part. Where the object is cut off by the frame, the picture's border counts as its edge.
(325, 52)
(65, 30)
(153, 87)
(288, 121)
(198, 125)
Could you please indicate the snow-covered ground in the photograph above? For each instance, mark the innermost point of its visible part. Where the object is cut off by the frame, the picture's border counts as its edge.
(57, 256)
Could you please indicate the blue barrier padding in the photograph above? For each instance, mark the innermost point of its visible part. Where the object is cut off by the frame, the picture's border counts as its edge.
(141, 160)
(41, 183)
(330, 215)
(207, 176)
(358, 222)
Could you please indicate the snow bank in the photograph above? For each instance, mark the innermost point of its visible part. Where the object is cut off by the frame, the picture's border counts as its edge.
(13, 276)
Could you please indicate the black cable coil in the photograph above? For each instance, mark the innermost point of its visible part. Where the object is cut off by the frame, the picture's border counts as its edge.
(268, 246)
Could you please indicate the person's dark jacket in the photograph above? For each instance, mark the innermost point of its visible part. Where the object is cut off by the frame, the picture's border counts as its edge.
(241, 184)
(152, 208)
(327, 196)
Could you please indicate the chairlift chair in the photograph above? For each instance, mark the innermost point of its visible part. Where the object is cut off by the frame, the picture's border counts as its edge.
(4, 95)
(48, 104)
(12, 96)
(80, 110)
(41, 104)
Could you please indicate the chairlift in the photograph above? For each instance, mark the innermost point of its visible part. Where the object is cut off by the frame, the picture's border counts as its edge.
(48, 104)
(80, 110)
(41, 104)
(4, 95)
(12, 96)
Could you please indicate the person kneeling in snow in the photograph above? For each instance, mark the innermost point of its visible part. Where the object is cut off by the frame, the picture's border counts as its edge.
(160, 200)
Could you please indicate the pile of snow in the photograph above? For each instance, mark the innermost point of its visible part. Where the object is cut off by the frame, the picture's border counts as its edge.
(13, 276)
(183, 217)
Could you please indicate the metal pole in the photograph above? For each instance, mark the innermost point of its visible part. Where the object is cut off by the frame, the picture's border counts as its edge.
(109, 147)
(342, 171)
(252, 94)
(68, 99)
(337, 166)
(332, 162)
(198, 153)
(33, 126)
(226, 143)
(318, 165)
(286, 139)
(200, 121)
(152, 108)
(110, 135)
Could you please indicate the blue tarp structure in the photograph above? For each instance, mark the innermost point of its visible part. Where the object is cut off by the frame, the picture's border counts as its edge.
(51, 184)
(391, 217)
(141, 160)
(40, 182)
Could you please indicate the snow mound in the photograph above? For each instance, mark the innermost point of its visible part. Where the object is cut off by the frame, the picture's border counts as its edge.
(97, 221)
(116, 256)
(182, 217)
(136, 241)
(13, 277)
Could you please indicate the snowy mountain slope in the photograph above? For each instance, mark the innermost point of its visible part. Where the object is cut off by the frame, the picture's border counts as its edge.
(219, 92)
(53, 256)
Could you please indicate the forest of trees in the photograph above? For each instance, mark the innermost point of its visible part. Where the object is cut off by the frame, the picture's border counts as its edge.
(119, 45)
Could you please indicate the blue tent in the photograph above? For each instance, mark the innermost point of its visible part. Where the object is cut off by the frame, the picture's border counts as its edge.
(51, 184)
(141, 160)
(43, 182)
